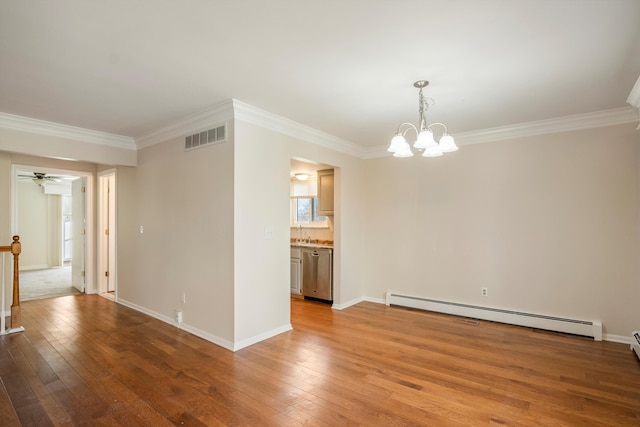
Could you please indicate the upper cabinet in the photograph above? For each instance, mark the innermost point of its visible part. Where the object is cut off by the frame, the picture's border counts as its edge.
(325, 192)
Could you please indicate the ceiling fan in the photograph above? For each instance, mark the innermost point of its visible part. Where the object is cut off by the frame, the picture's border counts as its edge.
(40, 178)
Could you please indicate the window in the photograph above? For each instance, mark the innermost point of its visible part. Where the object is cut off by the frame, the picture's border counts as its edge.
(304, 211)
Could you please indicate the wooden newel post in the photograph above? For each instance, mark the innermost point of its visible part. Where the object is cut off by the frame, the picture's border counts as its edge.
(16, 248)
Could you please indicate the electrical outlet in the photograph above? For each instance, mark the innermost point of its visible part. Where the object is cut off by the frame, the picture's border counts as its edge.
(484, 292)
(178, 316)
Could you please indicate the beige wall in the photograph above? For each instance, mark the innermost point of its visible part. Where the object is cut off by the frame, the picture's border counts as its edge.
(548, 224)
(184, 201)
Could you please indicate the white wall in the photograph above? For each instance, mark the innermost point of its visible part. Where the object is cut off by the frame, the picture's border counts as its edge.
(549, 224)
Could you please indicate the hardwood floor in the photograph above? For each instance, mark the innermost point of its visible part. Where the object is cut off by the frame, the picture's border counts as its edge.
(86, 361)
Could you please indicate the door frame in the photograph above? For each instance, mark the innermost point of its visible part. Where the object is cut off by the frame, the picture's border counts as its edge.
(90, 264)
(107, 245)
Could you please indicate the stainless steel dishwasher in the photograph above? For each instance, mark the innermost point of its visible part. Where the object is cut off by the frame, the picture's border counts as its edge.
(317, 273)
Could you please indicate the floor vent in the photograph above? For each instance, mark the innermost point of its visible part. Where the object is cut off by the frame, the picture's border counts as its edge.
(539, 321)
(635, 343)
(206, 137)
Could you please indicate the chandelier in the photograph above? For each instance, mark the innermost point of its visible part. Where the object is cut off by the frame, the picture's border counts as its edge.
(424, 135)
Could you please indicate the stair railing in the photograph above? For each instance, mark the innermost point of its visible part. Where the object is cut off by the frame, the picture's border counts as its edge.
(15, 248)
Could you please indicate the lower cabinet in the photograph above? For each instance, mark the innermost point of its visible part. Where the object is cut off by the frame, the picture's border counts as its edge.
(296, 272)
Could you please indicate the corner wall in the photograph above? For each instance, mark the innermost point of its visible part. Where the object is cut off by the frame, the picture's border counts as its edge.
(184, 202)
(262, 275)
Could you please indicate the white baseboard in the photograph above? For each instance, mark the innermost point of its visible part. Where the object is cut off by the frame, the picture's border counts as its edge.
(346, 304)
(203, 334)
(261, 337)
(356, 301)
(617, 338)
(375, 300)
(34, 267)
(166, 319)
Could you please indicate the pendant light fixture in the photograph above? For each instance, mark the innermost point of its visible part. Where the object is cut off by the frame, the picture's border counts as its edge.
(425, 140)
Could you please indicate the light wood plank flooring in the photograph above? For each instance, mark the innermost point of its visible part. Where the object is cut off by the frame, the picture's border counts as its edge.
(84, 360)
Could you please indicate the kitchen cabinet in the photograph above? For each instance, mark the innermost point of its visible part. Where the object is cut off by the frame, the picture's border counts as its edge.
(325, 192)
(296, 271)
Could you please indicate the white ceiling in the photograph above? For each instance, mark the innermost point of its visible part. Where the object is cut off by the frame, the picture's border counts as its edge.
(344, 67)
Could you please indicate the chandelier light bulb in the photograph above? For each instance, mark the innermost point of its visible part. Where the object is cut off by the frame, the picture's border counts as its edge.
(425, 139)
(404, 150)
(396, 143)
(447, 144)
(432, 151)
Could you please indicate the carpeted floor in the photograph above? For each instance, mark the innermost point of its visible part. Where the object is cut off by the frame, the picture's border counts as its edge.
(48, 283)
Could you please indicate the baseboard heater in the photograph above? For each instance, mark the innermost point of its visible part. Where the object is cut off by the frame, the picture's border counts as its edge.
(538, 321)
(635, 342)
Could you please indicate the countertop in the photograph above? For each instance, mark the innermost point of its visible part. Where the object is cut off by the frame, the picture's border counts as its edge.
(322, 244)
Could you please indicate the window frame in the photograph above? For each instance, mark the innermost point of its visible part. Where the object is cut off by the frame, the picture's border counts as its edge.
(314, 223)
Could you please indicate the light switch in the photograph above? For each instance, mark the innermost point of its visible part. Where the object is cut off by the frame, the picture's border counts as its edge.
(141, 229)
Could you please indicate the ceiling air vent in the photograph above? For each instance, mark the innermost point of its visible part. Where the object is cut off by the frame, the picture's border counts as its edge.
(206, 137)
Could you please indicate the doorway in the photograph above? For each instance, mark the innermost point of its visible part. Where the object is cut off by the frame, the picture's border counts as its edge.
(49, 213)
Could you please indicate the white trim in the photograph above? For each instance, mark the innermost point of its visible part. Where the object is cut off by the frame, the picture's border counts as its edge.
(218, 114)
(12, 330)
(41, 127)
(249, 114)
(616, 116)
(261, 337)
(617, 338)
(166, 319)
(347, 304)
(634, 95)
(205, 335)
(34, 267)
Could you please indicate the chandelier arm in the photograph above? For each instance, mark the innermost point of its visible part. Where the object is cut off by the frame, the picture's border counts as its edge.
(409, 126)
(441, 124)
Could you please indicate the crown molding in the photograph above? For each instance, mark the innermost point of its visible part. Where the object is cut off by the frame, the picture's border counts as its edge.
(258, 117)
(41, 127)
(613, 117)
(197, 122)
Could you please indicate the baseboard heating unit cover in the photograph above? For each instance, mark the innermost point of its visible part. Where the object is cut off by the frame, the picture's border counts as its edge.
(635, 342)
(571, 326)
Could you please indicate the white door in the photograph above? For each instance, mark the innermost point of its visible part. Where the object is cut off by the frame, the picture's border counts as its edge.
(112, 233)
(78, 226)
(108, 234)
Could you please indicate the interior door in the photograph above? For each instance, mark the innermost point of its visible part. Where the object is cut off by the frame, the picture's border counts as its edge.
(78, 226)
(111, 235)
